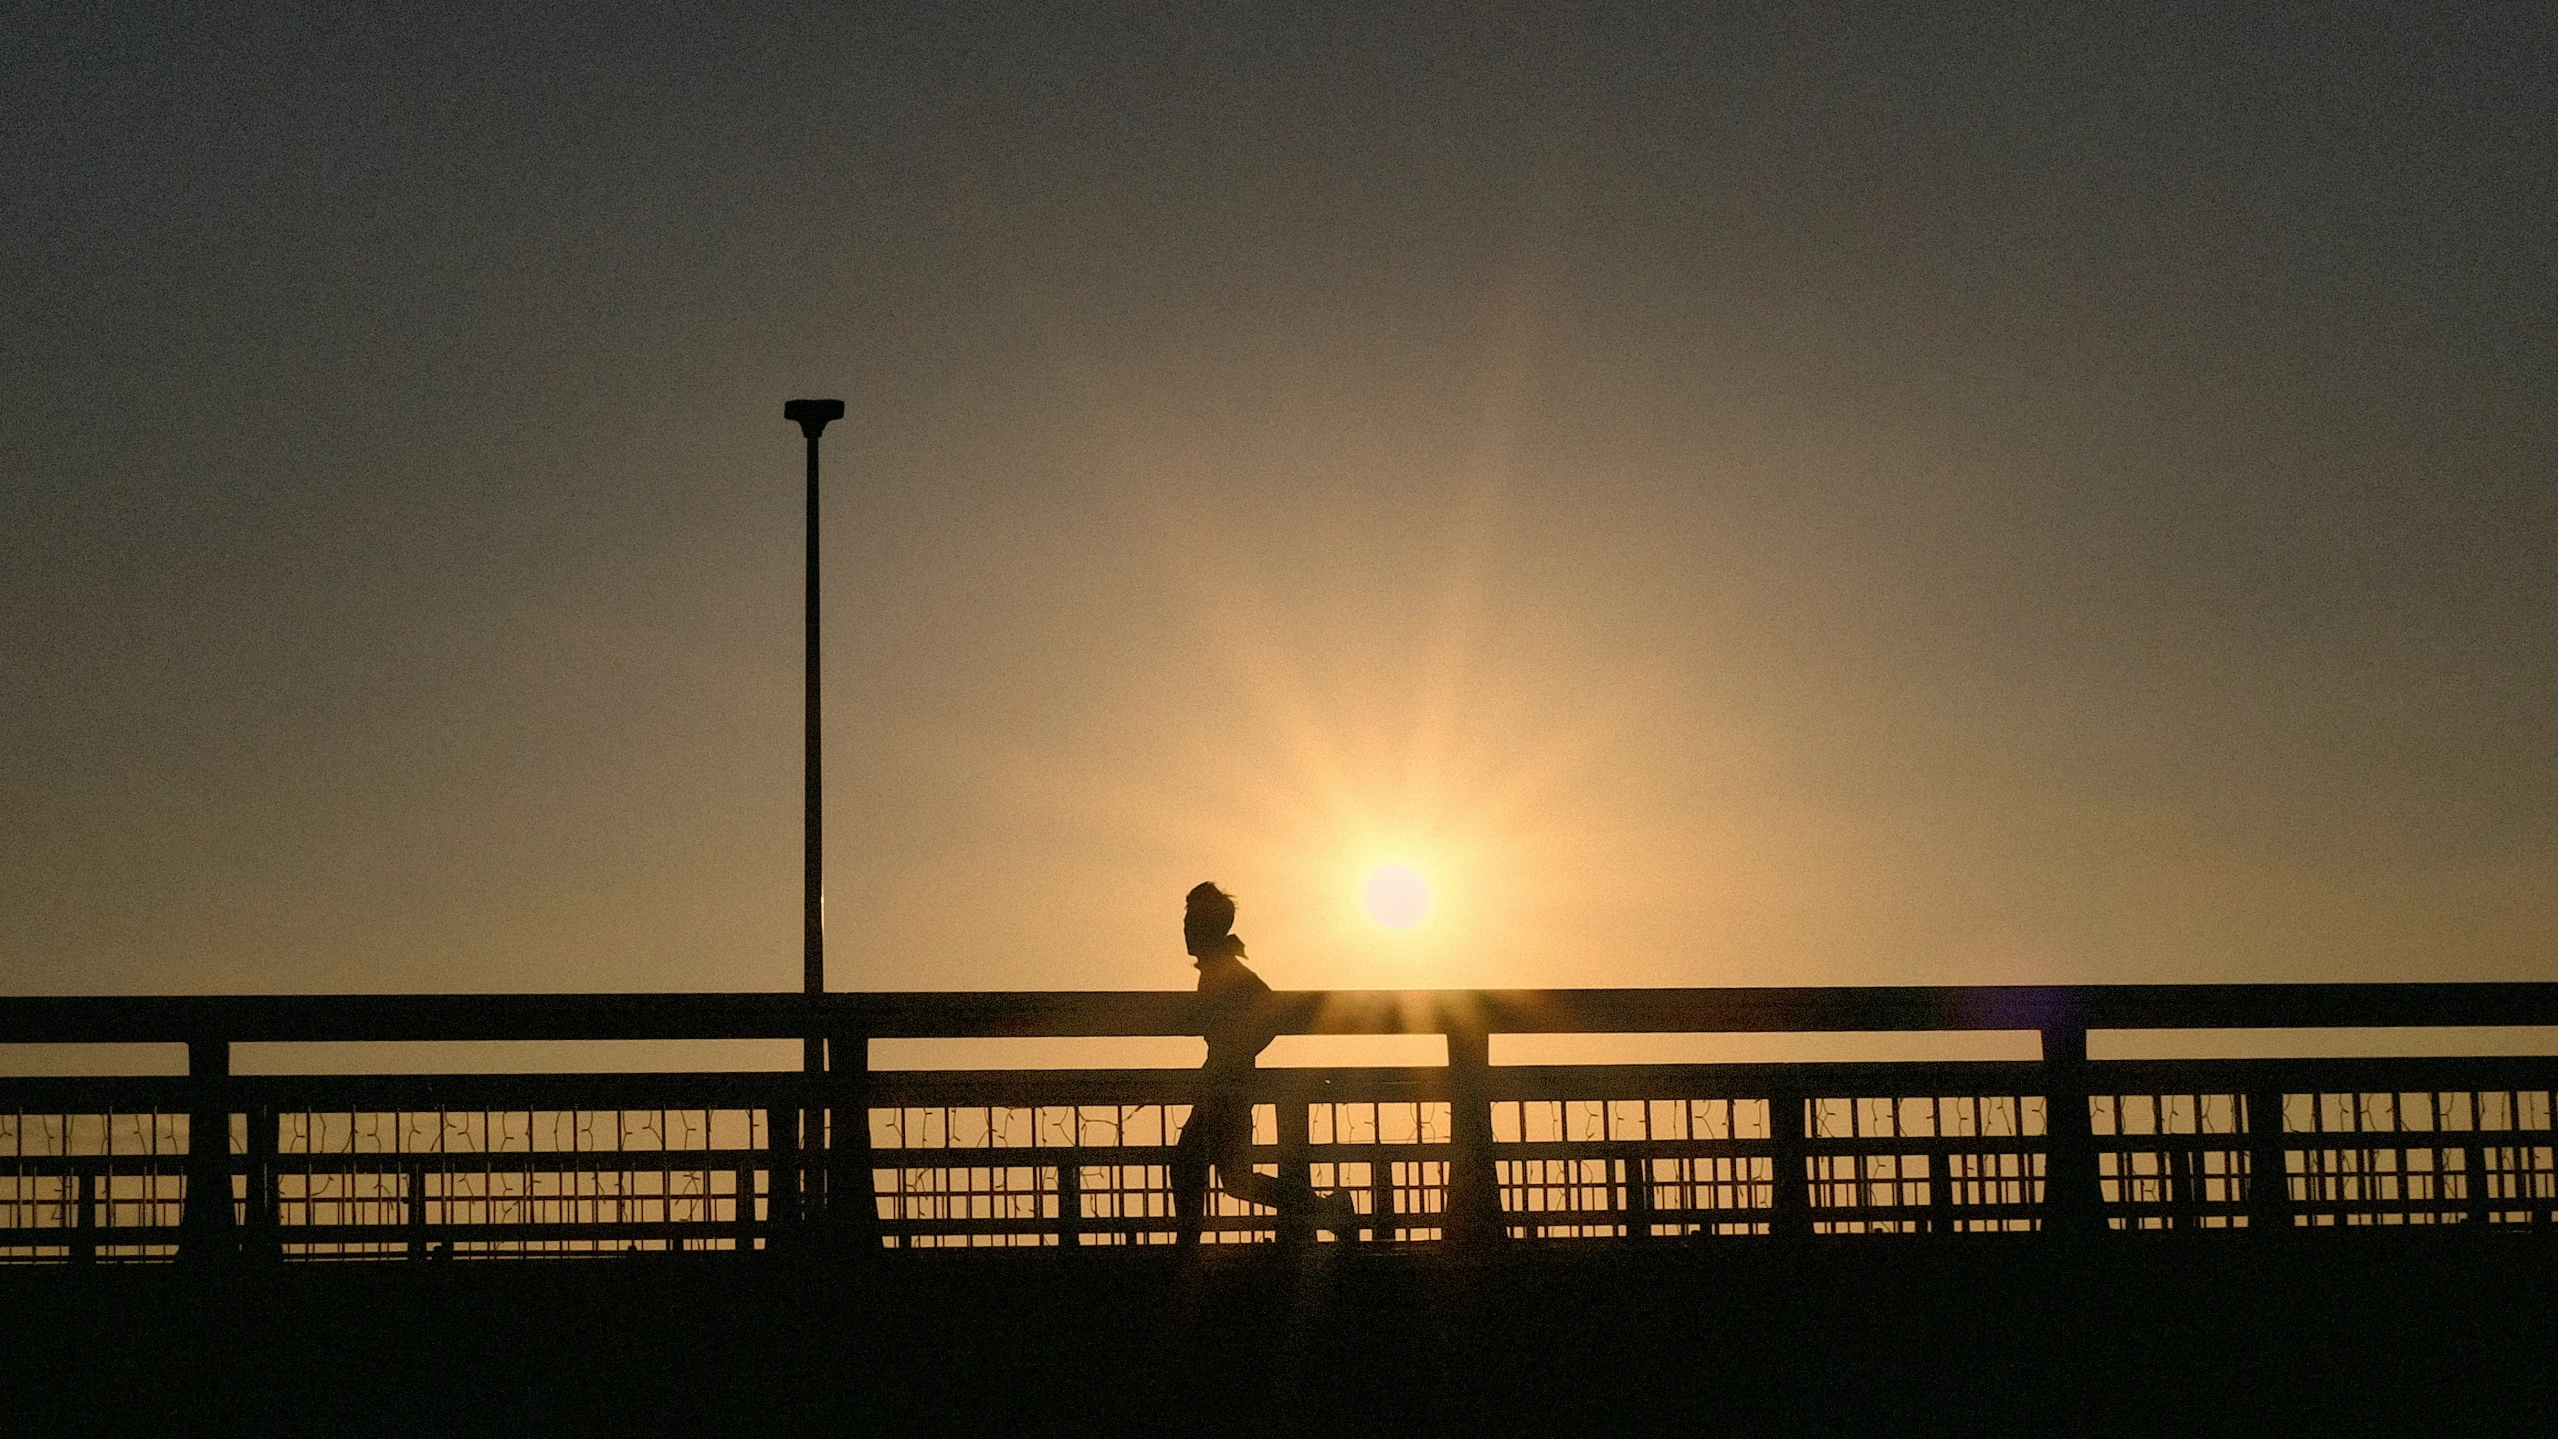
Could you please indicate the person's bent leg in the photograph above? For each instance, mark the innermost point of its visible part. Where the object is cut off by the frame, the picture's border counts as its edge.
(1286, 1194)
(1189, 1179)
(1237, 1177)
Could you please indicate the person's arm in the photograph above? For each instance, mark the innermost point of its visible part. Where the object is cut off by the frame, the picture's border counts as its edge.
(1252, 1011)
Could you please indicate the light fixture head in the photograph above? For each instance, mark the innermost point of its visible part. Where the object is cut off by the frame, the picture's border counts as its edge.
(812, 415)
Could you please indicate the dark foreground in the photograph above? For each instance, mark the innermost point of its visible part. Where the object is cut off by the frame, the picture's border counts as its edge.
(2349, 1334)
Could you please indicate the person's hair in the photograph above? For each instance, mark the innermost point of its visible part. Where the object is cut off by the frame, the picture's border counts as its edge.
(1206, 917)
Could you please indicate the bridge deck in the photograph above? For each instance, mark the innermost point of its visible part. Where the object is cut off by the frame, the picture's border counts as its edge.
(2218, 1334)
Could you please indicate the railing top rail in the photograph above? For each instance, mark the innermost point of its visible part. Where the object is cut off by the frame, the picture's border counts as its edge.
(313, 1018)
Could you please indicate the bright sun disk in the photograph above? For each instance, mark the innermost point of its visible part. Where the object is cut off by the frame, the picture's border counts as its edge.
(1397, 896)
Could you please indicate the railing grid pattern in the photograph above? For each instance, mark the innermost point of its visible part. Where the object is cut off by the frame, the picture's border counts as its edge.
(80, 1187)
(2419, 1157)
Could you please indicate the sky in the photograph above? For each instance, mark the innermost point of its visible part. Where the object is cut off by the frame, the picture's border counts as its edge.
(1727, 495)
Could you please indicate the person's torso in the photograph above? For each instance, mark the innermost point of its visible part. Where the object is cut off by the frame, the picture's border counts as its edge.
(1236, 1034)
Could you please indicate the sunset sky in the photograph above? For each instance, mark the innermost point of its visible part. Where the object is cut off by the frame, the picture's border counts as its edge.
(1764, 495)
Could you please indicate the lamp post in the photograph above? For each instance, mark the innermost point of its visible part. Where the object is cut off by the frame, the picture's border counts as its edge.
(811, 416)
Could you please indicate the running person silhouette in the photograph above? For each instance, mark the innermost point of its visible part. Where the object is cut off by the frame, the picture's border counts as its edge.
(1233, 1022)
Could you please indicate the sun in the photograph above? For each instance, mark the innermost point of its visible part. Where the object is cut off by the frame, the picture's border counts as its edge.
(1397, 896)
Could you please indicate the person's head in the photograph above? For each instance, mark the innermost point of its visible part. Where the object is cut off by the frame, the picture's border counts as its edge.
(1206, 917)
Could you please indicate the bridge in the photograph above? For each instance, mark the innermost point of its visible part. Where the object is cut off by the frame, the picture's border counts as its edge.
(1466, 1157)
(2234, 1212)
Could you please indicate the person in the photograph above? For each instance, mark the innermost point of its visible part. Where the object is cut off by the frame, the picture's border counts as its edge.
(1235, 1021)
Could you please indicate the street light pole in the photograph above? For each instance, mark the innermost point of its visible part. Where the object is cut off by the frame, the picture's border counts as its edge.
(812, 416)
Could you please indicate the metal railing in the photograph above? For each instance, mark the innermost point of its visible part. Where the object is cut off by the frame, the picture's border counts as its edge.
(1469, 1157)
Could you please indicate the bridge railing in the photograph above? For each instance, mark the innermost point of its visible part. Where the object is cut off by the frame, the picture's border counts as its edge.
(1469, 1156)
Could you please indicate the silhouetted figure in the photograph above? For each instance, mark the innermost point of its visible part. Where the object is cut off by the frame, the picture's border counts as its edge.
(1232, 1020)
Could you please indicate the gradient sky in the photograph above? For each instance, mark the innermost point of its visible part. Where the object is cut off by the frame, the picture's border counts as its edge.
(1762, 495)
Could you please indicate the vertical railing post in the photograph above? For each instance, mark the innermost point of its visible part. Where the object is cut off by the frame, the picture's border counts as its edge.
(1941, 1182)
(76, 1191)
(852, 1203)
(2475, 1161)
(2484, 1160)
(2504, 1163)
(1791, 1191)
(2071, 1195)
(1290, 1106)
(413, 1174)
(1474, 1194)
(1070, 1203)
(816, 1141)
(2268, 1179)
(781, 1173)
(262, 1242)
(1638, 1181)
(1381, 1196)
(2185, 1176)
(806, 1121)
(204, 1228)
